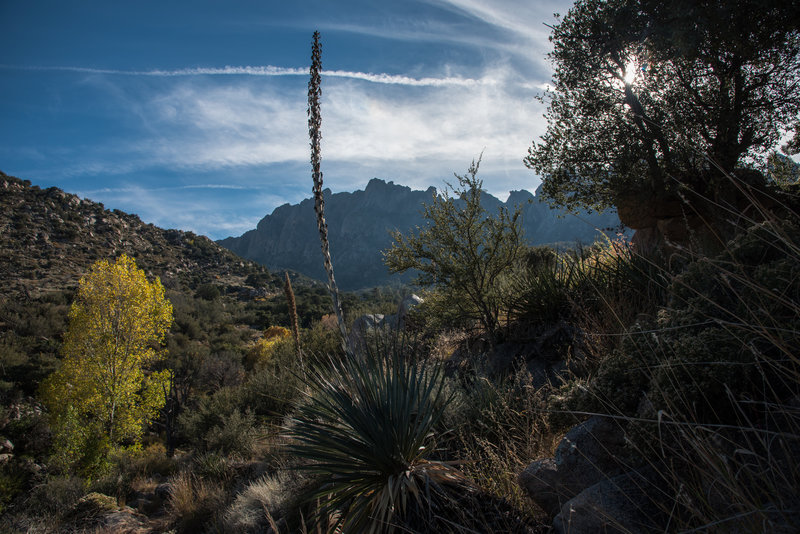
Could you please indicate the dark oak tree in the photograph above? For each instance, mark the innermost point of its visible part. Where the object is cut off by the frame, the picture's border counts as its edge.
(650, 95)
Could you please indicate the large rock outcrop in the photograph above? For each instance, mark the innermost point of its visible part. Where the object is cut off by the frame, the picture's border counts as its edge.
(592, 485)
(701, 217)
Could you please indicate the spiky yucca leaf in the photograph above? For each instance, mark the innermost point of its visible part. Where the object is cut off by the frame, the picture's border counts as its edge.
(367, 428)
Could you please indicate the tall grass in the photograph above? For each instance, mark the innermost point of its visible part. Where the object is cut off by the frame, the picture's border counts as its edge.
(707, 382)
(498, 428)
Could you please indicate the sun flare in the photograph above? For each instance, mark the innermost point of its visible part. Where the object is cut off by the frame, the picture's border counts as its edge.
(631, 69)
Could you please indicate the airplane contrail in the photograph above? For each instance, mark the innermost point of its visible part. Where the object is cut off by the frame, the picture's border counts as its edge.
(270, 70)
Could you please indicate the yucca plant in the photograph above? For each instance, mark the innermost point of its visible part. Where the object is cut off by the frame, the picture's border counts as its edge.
(367, 430)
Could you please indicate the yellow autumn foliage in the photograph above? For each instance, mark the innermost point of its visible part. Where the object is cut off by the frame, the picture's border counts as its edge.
(103, 396)
(263, 348)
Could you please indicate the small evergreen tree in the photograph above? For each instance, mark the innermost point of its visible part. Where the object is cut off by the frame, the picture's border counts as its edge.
(464, 252)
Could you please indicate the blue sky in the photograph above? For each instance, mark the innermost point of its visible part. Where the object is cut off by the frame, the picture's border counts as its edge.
(193, 114)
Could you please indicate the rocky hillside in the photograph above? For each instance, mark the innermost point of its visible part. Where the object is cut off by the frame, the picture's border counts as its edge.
(49, 238)
(359, 224)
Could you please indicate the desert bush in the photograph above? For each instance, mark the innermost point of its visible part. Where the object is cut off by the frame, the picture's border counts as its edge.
(134, 467)
(220, 423)
(259, 353)
(45, 505)
(273, 389)
(12, 483)
(236, 436)
(607, 280)
(264, 503)
(29, 432)
(465, 253)
(729, 333)
(220, 370)
(208, 292)
(708, 385)
(322, 338)
(543, 285)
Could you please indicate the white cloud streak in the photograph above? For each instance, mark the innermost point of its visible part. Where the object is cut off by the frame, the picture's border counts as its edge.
(270, 70)
(137, 189)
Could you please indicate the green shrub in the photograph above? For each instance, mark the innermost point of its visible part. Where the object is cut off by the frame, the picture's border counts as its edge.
(208, 292)
(52, 499)
(732, 329)
(219, 423)
(12, 482)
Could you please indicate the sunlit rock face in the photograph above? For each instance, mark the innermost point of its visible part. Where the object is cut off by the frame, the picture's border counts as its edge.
(359, 226)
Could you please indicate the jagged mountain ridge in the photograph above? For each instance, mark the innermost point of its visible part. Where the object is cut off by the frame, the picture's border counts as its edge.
(359, 224)
(50, 238)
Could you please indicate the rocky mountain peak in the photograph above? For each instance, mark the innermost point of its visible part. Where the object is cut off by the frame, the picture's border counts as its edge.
(359, 226)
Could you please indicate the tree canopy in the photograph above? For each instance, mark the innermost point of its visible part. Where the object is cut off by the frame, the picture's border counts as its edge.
(648, 95)
(102, 396)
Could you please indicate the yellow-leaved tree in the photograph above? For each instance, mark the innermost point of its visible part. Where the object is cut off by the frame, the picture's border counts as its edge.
(103, 395)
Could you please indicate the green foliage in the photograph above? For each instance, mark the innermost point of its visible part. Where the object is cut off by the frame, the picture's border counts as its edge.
(782, 170)
(706, 384)
(366, 428)
(272, 389)
(208, 292)
(607, 279)
(102, 396)
(54, 497)
(727, 336)
(220, 423)
(12, 482)
(648, 92)
(464, 252)
(740, 311)
(30, 339)
(545, 286)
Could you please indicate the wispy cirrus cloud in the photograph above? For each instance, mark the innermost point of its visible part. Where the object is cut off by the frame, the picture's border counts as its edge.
(527, 20)
(138, 189)
(270, 70)
(417, 135)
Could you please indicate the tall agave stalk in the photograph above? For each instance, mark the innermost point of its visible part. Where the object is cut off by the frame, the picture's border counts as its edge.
(292, 303)
(315, 133)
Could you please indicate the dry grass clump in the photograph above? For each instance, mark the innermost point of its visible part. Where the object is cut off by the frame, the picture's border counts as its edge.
(496, 429)
(263, 504)
(194, 502)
